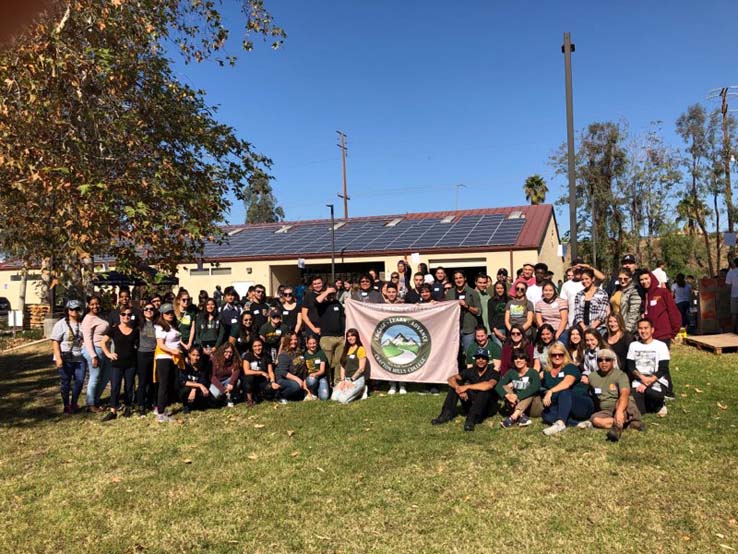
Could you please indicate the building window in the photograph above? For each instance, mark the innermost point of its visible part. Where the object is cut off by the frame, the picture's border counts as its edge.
(220, 271)
(199, 272)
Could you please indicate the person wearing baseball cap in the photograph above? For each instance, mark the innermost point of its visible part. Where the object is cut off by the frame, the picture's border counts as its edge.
(272, 331)
(502, 275)
(66, 341)
(474, 387)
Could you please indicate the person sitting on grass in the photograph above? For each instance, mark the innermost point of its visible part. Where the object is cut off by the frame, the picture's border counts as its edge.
(354, 370)
(519, 390)
(66, 340)
(545, 337)
(290, 369)
(593, 343)
(481, 340)
(566, 401)
(474, 387)
(615, 407)
(193, 382)
(516, 339)
(648, 369)
(316, 362)
(258, 374)
(225, 371)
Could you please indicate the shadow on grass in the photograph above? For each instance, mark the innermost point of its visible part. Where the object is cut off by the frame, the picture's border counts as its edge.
(29, 388)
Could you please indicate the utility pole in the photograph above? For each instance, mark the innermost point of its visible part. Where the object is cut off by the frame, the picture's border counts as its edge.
(333, 245)
(728, 192)
(567, 48)
(344, 151)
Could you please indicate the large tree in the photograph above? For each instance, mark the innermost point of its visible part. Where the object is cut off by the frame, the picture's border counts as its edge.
(260, 203)
(103, 152)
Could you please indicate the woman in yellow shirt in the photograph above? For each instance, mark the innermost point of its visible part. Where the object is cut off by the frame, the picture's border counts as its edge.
(354, 370)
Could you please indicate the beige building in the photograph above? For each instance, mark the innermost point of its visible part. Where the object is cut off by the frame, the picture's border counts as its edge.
(481, 240)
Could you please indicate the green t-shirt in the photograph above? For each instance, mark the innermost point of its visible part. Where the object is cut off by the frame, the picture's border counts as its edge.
(525, 386)
(549, 381)
(495, 353)
(184, 324)
(272, 335)
(313, 361)
(606, 388)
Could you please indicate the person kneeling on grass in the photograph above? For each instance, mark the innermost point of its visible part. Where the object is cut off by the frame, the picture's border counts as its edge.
(615, 407)
(354, 369)
(519, 389)
(225, 371)
(316, 382)
(474, 387)
(566, 401)
(290, 369)
(193, 382)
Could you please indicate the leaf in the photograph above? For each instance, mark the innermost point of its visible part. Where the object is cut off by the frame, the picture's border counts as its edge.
(115, 479)
(290, 433)
(726, 547)
(259, 426)
(252, 457)
(295, 454)
(698, 390)
(722, 406)
(186, 461)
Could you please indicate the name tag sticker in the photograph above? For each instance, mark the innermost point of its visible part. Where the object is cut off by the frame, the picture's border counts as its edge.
(598, 390)
(234, 321)
(652, 303)
(364, 294)
(285, 312)
(336, 309)
(352, 356)
(278, 331)
(254, 365)
(462, 296)
(256, 312)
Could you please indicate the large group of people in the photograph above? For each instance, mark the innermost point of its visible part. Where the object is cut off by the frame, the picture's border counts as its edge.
(588, 351)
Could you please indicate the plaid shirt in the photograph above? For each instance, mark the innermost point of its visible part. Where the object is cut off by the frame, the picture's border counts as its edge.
(599, 307)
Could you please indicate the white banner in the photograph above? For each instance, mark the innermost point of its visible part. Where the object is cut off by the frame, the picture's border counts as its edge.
(416, 343)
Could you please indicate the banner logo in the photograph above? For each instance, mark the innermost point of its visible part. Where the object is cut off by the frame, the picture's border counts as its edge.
(401, 344)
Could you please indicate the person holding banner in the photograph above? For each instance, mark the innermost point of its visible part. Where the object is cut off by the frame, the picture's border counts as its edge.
(354, 369)
(474, 387)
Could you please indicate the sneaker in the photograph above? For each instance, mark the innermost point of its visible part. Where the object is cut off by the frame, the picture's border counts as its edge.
(662, 412)
(587, 424)
(507, 423)
(440, 420)
(392, 390)
(524, 421)
(109, 416)
(309, 397)
(557, 427)
(613, 435)
(229, 404)
(127, 411)
(186, 409)
(283, 401)
(365, 395)
(156, 410)
(163, 418)
(434, 391)
(403, 390)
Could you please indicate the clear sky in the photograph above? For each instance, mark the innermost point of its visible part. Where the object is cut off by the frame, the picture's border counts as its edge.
(432, 94)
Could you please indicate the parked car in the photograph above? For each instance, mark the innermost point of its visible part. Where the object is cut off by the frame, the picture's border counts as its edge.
(4, 305)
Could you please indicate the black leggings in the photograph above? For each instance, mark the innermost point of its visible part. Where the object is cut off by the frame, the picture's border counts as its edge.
(166, 371)
(648, 401)
(145, 370)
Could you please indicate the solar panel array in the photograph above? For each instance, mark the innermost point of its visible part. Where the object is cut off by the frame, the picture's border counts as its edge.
(371, 235)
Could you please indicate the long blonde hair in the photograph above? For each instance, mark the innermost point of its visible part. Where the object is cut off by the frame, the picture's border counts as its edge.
(557, 347)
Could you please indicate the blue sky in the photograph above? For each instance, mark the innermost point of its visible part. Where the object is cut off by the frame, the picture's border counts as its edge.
(432, 94)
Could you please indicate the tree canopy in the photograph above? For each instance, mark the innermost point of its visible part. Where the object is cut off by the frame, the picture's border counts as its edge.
(103, 152)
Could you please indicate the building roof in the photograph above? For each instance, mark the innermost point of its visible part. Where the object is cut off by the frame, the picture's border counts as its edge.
(486, 229)
(479, 230)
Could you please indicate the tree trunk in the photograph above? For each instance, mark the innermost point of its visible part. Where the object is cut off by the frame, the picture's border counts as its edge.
(717, 226)
(22, 294)
(706, 237)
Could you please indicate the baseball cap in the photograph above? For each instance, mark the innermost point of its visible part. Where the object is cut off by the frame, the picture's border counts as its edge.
(166, 308)
(502, 271)
(74, 305)
(628, 259)
(481, 353)
(275, 312)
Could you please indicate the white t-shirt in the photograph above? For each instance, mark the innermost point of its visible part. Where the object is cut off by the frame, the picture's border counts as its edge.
(171, 340)
(534, 293)
(69, 336)
(569, 291)
(647, 358)
(732, 279)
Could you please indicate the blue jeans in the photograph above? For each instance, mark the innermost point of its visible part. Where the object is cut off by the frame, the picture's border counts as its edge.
(119, 375)
(318, 386)
(71, 371)
(99, 376)
(569, 407)
(352, 393)
(288, 389)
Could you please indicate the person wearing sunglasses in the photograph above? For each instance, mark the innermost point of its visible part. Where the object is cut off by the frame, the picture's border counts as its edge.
(290, 309)
(146, 390)
(519, 390)
(167, 359)
(519, 310)
(243, 334)
(185, 314)
(259, 307)
(566, 400)
(515, 340)
(66, 341)
(124, 339)
(614, 405)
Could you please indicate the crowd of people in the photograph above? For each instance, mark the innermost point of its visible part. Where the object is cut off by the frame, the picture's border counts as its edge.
(591, 351)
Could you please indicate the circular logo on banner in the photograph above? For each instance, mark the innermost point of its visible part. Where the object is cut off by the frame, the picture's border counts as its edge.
(401, 344)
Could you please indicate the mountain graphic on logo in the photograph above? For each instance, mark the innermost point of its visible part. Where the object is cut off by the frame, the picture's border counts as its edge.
(400, 340)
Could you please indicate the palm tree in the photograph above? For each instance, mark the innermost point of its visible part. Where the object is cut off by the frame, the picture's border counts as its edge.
(535, 189)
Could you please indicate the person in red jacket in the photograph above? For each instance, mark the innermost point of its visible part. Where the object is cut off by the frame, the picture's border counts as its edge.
(660, 309)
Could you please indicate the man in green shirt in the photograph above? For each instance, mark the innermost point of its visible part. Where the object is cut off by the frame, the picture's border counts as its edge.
(471, 309)
(481, 340)
(482, 284)
(615, 407)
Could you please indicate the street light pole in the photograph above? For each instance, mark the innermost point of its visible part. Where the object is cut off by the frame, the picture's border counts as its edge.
(333, 245)
(567, 48)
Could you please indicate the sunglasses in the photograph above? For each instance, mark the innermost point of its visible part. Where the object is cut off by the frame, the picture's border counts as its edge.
(515, 333)
(600, 360)
(127, 314)
(555, 355)
(260, 291)
(365, 281)
(148, 309)
(288, 294)
(519, 289)
(516, 358)
(184, 299)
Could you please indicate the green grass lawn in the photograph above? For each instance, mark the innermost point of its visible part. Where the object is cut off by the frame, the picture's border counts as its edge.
(373, 476)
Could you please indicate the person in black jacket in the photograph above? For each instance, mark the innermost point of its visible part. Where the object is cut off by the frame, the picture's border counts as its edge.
(193, 382)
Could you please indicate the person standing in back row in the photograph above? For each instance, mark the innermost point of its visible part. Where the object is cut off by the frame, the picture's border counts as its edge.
(229, 312)
(469, 303)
